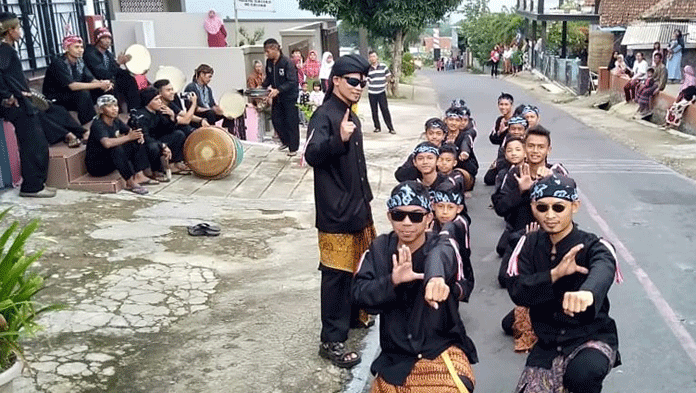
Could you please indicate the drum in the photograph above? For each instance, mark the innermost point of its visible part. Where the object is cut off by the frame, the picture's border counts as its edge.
(232, 105)
(212, 153)
(140, 60)
(174, 75)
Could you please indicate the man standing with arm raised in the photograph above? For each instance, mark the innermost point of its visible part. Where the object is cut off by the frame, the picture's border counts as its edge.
(342, 198)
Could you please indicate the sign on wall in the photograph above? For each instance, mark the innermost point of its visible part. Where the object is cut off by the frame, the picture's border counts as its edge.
(255, 5)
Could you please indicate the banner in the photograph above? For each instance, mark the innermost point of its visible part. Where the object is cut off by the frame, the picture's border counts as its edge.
(255, 5)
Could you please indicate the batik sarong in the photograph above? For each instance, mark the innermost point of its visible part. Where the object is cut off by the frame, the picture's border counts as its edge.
(342, 251)
(522, 330)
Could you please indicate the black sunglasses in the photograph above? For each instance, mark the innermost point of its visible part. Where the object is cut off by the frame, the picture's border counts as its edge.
(415, 217)
(557, 207)
(355, 81)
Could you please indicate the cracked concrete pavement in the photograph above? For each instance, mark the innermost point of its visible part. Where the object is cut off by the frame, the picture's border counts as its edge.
(149, 308)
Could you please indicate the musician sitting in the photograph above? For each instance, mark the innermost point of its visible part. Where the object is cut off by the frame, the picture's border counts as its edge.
(163, 140)
(186, 120)
(113, 145)
(105, 66)
(206, 108)
(69, 82)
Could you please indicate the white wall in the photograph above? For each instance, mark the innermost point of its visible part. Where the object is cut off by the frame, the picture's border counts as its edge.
(172, 29)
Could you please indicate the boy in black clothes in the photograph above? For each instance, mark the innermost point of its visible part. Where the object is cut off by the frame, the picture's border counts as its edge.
(425, 161)
(435, 133)
(517, 126)
(563, 275)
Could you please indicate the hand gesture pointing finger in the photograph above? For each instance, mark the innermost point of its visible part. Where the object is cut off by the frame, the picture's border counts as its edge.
(568, 265)
(347, 127)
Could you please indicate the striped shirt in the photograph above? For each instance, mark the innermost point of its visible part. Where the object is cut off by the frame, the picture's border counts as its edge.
(377, 79)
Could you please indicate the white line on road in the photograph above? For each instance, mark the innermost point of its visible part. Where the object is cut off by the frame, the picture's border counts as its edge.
(665, 310)
(361, 372)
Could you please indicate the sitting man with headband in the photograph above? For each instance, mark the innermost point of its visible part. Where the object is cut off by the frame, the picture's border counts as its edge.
(563, 275)
(69, 82)
(414, 279)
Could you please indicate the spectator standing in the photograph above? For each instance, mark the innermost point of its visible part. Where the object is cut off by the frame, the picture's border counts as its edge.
(217, 35)
(676, 45)
(377, 79)
(296, 58)
(311, 67)
(495, 59)
(327, 63)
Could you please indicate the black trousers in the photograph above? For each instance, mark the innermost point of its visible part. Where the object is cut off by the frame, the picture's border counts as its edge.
(56, 123)
(494, 68)
(128, 158)
(33, 147)
(79, 101)
(489, 177)
(586, 372)
(126, 88)
(286, 121)
(336, 309)
(175, 140)
(381, 101)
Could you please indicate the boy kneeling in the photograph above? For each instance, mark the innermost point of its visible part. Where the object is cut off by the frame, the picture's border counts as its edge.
(414, 280)
(563, 275)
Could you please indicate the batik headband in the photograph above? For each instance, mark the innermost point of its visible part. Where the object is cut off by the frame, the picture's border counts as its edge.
(101, 33)
(555, 186)
(409, 193)
(426, 147)
(70, 40)
(454, 112)
(518, 120)
(105, 100)
(446, 196)
(529, 109)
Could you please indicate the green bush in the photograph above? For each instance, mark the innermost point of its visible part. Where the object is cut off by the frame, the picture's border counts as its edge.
(407, 66)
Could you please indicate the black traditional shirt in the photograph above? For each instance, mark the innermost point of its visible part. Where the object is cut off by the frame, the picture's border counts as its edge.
(96, 152)
(282, 75)
(61, 73)
(102, 65)
(342, 191)
(409, 328)
(530, 286)
(494, 137)
(12, 79)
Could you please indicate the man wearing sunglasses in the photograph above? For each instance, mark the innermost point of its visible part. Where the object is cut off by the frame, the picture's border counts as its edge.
(511, 200)
(415, 280)
(563, 275)
(342, 199)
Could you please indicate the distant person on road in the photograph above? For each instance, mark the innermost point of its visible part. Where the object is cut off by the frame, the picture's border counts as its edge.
(563, 275)
(413, 279)
(495, 60)
(638, 75)
(342, 199)
(377, 80)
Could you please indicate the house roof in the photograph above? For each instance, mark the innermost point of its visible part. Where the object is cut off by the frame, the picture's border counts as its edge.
(672, 10)
(642, 35)
(622, 12)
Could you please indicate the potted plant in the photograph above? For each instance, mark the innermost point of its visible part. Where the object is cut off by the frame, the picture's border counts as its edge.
(18, 310)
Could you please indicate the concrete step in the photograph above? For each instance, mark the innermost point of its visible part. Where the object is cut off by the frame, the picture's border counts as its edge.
(67, 170)
(109, 184)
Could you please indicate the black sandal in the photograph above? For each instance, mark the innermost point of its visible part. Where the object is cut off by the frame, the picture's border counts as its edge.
(335, 352)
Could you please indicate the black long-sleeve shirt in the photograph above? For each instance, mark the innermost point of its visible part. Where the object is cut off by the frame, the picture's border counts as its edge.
(12, 79)
(530, 286)
(495, 137)
(514, 205)
(409, 328)
(342, 191)
(61, 73)
(102, 65)
(282, 75)
(407, 171)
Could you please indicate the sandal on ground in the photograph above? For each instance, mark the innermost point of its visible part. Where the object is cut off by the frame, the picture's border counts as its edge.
(181, 172)
(203, 229)
(149, 182)
(73, 142)
(160, 177)
(336, 353)
(138, 190)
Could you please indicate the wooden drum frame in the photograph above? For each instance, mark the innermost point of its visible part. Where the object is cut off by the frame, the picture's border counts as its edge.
(212, 152)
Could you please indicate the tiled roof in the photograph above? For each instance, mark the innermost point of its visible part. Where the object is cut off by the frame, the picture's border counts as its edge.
(622, 12)
(672, 10)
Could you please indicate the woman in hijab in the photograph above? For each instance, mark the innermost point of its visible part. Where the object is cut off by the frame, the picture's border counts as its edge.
(312, 66)
(327, 63)
(619, 66)
(687, 96)
(217, 35)
(674, 58)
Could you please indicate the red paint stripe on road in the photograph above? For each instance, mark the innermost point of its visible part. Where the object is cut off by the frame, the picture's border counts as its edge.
(665, 310)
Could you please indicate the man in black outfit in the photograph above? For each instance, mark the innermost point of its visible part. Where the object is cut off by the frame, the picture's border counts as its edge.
(563, 275)
(105, 66)
(281, 80)
(16, 108)
(342, 198)
(69, 82)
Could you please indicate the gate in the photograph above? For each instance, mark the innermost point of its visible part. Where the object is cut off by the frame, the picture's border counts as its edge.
(44, 26)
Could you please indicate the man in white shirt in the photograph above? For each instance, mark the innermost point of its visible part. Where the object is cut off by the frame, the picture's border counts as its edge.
(640, 73)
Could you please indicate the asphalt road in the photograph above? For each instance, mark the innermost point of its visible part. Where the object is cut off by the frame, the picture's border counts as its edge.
(645, 208)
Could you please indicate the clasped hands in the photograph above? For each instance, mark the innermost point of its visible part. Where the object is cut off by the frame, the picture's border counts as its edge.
(577, 301)
(436, 290)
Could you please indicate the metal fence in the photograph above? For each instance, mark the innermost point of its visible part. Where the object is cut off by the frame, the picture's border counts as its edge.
(44, 25)
(568, 72)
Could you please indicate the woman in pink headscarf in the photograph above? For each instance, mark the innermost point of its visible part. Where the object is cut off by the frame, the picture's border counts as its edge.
(217, 35)
(686, 97)
(312, 65)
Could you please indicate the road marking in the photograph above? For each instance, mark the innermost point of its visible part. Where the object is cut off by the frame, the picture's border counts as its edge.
(361, 373)
(665, 310)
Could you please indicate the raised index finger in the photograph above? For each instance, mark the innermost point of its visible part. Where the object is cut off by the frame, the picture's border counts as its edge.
(347, 115)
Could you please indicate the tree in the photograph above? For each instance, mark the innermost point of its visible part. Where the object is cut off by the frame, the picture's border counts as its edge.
(578, 33)
(249, 38)
(483, 30)
(392, 19)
